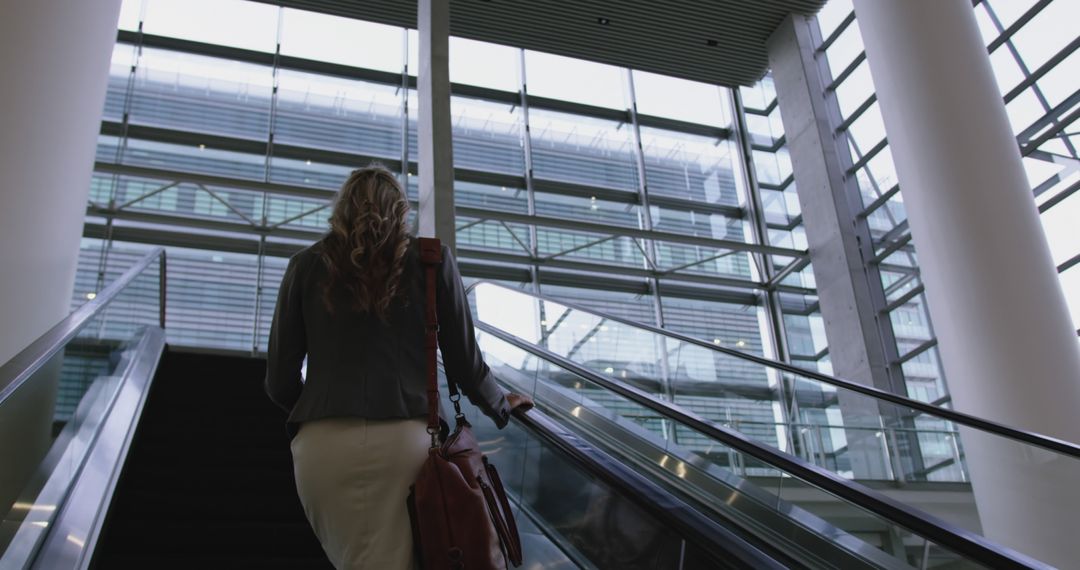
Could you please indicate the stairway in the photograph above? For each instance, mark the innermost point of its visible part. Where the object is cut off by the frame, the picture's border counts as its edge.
(208, 481)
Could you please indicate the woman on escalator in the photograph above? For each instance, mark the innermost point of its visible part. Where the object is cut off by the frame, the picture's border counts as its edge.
(352, 304)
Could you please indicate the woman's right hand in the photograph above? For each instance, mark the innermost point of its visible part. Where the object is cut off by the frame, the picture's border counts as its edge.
(519, 401)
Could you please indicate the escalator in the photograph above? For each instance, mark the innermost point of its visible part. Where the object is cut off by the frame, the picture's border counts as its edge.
(159, 458)
(208, 483)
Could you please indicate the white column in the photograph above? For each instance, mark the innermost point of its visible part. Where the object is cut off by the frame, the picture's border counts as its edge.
(1007, 344)
(436, 161)
(54, 60)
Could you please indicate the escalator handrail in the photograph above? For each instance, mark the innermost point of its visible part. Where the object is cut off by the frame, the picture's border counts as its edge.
(705, 532)
(23, 365)
(928, 526)
(1032, 438)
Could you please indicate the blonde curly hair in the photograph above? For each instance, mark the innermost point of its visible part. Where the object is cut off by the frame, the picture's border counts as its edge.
(365, 248)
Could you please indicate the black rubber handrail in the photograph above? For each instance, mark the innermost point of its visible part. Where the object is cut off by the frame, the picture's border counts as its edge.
(935, 530)
(690, 524)
(21, 367)
(1046, 442)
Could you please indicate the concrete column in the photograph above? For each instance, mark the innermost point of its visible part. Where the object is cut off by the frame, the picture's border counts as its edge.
(1007, 344)
(838, 242)
(54, 58)
(436, 212)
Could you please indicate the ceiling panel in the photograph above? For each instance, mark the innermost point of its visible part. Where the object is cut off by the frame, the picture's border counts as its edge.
(715, 41)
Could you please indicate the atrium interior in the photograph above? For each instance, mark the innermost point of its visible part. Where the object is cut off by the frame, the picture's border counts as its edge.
(689, 231)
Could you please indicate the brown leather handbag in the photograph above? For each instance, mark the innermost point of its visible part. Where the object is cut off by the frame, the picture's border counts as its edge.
(460, 515)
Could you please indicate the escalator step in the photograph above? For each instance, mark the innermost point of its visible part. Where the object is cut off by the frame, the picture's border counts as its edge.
(219, 562)
(208, 480)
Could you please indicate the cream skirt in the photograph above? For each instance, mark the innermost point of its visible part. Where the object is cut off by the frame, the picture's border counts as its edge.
(353, 477)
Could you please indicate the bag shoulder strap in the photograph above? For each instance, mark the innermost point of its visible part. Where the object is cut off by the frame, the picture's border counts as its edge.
(431, 257)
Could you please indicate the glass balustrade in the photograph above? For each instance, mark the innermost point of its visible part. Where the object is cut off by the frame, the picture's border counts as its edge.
(826, 422)
(57, 396)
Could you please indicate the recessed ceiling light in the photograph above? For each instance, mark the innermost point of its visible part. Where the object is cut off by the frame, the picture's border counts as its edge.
(603, 21)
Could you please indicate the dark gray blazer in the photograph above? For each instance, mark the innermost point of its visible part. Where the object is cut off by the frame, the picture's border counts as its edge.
(361, 367)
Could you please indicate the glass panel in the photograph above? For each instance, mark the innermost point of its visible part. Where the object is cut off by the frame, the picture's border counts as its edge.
(487, 136)
(697, 223)
(696, 259)
(499, 69)
(590, 209)
(589, 246)
(636, 306)
(212, 299)
(1024, 110)
(866, 131)
(567, 516)
(309, 174)
(333, 113)
(1059, 83)
(805, 331)
(299, 213)
(202, 94)
(832, 14)
(887, 216)
(683, 458)
(681, 99)
(845, 49)
(1008, 11)
(576, 80)
(492, 235)
(123, 58)
(780, 206)
(130, 14)
(273, 271)
(584, 150)
(1042, 37)
(50, 421)
(1070, 283)
(1059, 223)
(759, 95)
(854, 436)
(201, 158)
(214, 22)
(878, 176)
(690, 167)
(854, 90)
(346, 41)
(772, 167)
(496, 198)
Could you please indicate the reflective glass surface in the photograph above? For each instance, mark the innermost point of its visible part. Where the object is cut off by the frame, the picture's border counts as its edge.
(51, 419)
(843, 431)
(757, 497)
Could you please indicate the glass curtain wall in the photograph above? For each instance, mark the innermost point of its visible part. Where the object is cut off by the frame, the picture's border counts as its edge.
(1033, 51)
(664, 200)
(658, 199)
(1034, 56)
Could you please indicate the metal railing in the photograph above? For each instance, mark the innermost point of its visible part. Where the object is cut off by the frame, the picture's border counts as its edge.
(1046, 442)
(938, 531)
(98, 361)
(28, 361)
